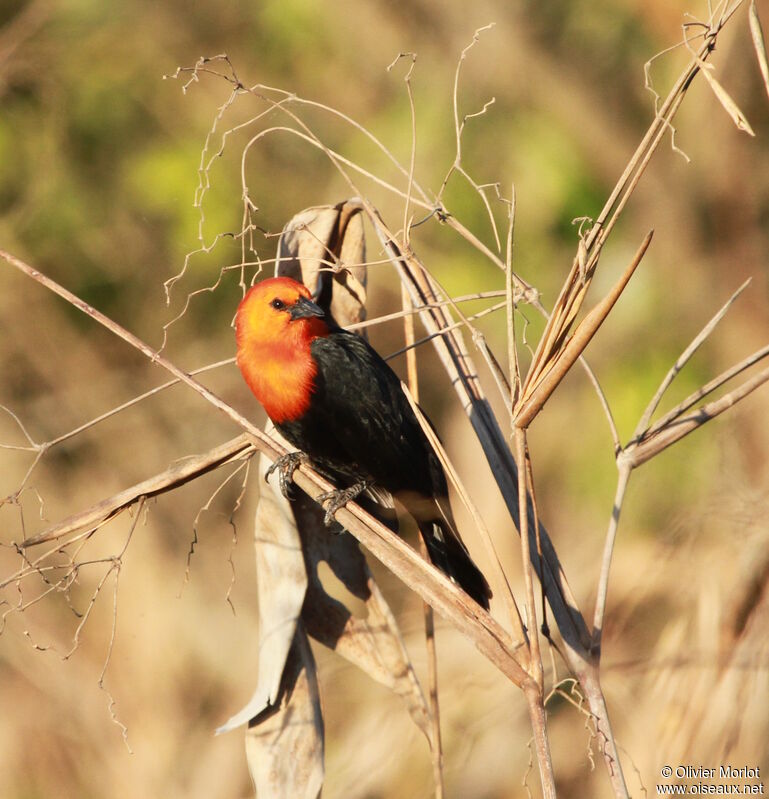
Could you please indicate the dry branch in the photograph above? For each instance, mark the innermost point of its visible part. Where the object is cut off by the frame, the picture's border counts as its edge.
(650, 440)
(703, 392)
(178, 474)
(675, 430)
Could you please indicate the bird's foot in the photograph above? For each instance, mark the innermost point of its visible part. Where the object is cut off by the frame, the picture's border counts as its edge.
(339, 498)
(285, 466)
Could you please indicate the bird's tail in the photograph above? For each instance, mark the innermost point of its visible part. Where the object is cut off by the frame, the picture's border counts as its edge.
(450, 555)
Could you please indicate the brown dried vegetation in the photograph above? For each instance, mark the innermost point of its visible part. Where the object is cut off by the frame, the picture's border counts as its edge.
(108, 626)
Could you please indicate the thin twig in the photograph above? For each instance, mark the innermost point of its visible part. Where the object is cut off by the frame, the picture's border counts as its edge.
(676, 430)
(513, 365)
(459, 129)
(519, 439)
(682, 360)
(432, 656)
(501, 583)
(708, 388)
(623, 478)
(176, 475)
(113, 631)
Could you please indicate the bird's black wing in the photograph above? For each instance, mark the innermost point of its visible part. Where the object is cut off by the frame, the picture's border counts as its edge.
(360, 425)
(360, 417)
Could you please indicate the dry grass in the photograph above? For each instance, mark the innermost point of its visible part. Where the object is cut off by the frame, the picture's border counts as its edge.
(163, 660)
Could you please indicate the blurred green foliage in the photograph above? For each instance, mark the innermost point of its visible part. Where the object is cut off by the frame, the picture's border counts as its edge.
(99, 175)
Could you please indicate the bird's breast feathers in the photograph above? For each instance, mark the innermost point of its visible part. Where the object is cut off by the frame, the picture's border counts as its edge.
(281, 377)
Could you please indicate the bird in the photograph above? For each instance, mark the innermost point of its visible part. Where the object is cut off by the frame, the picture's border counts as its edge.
(333, 397)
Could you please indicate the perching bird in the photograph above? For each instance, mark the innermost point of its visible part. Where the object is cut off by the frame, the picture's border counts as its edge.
(334, 398)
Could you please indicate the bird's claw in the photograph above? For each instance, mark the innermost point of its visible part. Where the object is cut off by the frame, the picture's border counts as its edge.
(339, 498)
(286, 465)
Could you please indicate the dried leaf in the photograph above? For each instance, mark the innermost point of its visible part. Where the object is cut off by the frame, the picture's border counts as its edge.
(316, 243)
(758, 43)
(726, 101)
(534, 398)
(281, 586)
(374, 643)
(284, 743)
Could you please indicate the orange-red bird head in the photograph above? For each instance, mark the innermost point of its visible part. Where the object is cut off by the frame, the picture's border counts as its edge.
(274, 327)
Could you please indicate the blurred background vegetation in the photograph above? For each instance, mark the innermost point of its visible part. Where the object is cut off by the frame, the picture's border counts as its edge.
(99, 161)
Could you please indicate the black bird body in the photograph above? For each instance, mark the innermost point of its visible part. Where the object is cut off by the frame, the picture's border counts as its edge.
(358, 426)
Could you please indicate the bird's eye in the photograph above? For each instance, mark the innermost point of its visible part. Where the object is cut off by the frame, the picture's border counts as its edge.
(278, 305)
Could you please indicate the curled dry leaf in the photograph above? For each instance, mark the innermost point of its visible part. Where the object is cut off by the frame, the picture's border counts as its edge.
(327, 245)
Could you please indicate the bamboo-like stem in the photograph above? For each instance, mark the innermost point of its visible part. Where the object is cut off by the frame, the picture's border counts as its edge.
(432, 656)
(625, 468)
(534, 690)
(591, 685)
(459, 366)
(519, 437)
(538, 718)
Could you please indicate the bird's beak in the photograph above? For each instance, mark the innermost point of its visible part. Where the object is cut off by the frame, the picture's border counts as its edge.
(303, 308)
